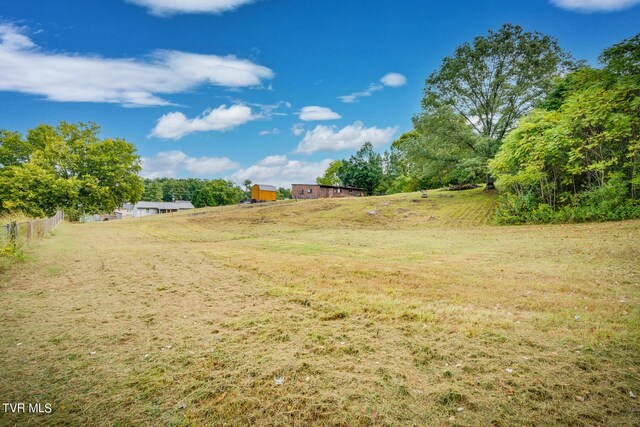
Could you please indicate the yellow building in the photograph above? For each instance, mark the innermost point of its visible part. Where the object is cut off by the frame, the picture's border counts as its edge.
(263, 193)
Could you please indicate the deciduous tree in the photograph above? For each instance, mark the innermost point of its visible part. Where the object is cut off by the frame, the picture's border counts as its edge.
(363, 170)
(496, 79)
(67, 167)
(330, 177)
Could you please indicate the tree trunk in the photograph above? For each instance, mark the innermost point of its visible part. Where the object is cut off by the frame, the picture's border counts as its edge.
(490, 184)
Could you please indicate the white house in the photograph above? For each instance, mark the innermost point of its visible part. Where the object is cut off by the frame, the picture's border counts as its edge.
(141, 209)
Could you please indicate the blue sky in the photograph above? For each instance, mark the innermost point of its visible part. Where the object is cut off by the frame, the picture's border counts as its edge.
(270, 90)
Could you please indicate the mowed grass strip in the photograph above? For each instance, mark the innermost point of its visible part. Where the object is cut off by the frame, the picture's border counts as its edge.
(390, 310)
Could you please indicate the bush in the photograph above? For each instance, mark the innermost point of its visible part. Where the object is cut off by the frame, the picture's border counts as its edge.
(610, 202)
(513, 209)
(9, 253)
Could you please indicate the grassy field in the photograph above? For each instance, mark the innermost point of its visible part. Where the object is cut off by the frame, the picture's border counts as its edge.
(389, 310)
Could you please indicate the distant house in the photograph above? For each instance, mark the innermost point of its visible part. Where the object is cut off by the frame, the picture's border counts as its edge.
(263, 193)
(316, 191)
(141, 209)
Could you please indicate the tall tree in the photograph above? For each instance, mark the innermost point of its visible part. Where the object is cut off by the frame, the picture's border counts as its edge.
(495, 80)
(329, 177)
(443, 149)
(363, 170)
(67, 167)
(623, 59)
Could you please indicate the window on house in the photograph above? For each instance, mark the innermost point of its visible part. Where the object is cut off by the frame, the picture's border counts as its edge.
(350, 191)
(339, 190)
(309, 190)
(301, 191)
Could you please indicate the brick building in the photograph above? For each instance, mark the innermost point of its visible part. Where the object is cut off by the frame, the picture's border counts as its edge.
(316, 191)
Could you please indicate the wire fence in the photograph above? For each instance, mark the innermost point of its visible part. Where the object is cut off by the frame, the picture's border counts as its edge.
(26, 231)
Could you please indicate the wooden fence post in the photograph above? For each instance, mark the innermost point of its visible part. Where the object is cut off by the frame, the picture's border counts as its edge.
(13, 231)
(29, 230)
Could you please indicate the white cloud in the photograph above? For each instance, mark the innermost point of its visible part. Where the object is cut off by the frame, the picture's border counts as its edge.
(393, 80)
(297, 129)
(170, 163)
(176, 125)
(595, 5)
(128, 81)
(170, 7)
(274, 131)
(329, 138)
(351, 98)
(281, 171)
(315, 113)
(388, 80)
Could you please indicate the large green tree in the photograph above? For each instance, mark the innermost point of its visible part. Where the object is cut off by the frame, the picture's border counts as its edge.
(330, 177)
(443, 149)
(362, 170)
(495, 80)
(67, 167)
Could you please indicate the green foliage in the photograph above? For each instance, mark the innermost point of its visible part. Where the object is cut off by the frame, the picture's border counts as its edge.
(66, 167)
(470, 103)
(201, 192)
(496, 79)
(623, 59)
(490, 83)
(608, 203)
(14, 150)
(443, 149)
(363, 170)
(577, 160)
(283, 194)
(217, 192)
(247, 189)
(330, 176)
(400, 184)
(153, 191)
(171, 189)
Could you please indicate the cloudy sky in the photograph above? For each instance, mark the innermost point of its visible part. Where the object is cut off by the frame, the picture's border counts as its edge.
(270, 90)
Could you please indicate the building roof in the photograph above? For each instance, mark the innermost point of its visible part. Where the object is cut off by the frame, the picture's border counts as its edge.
(332, 186)
(164, 205)
(266, 187)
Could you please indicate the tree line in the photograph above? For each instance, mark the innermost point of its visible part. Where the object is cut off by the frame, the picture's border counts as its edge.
(560, 139)
(201, 192)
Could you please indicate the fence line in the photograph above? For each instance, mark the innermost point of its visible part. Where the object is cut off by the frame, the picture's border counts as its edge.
(32, 229)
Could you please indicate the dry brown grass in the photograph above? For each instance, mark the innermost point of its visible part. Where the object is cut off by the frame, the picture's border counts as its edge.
(397, 318)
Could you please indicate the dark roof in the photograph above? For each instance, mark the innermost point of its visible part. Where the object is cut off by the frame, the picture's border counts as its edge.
(266, 187)
(333, 186)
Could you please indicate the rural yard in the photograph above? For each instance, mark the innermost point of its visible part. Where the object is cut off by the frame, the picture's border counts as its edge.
(392, 310)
